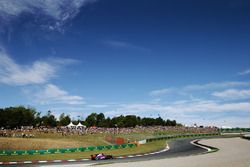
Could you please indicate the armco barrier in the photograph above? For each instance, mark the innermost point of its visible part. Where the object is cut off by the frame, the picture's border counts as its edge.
(108, 147)
(64, 150)
(234, 130)
(181, 136)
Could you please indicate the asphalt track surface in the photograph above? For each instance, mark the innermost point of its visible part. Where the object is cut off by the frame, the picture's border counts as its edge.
(179, 147)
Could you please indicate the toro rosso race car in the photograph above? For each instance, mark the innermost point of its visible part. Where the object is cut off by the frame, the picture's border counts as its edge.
(101, 157)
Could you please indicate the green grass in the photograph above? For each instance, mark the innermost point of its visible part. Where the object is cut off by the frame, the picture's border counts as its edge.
(135, 136)
(46, 141)
(149, 147)
(56, 140)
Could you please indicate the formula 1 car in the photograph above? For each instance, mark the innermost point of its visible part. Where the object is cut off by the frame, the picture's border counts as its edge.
(101, 157)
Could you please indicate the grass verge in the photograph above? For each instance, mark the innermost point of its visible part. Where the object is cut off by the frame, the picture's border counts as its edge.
(149, 147)
(47, 141)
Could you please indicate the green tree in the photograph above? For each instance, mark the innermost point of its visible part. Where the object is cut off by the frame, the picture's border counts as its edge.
(91, 120)
(171, 123)
(130, 121)
(14, 117)
(100, 120)
(108, 123)
(147, 121)
(49, 120)
(38, 119)
(118, 121)
(64, 120)
(159, 121)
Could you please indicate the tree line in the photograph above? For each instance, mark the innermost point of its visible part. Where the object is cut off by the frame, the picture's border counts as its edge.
(15, 117)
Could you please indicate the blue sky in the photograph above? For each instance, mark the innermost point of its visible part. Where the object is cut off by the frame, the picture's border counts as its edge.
(183, 60)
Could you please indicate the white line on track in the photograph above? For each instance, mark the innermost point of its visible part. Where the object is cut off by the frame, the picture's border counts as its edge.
(206, 148)
(42, 161)
(138, 155)
(71, 160)
(27, 162)
(120, 157)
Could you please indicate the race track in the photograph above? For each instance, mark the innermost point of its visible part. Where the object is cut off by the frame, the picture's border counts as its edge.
(178, 148)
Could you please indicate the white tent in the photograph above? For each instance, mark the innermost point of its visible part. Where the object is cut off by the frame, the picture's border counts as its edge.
(80, 125)
(71, 125)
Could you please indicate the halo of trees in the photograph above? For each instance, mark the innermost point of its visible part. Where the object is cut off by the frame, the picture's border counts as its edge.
(15, 117)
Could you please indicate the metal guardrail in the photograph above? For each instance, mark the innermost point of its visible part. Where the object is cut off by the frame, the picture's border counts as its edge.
(182, 136)
(234, 130)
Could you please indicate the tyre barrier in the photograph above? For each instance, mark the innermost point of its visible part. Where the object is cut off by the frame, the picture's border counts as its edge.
(65, 150)
(181, 136)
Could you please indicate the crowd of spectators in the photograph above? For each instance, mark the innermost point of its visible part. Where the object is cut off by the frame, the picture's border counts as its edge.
(20, 133)
(28, 132)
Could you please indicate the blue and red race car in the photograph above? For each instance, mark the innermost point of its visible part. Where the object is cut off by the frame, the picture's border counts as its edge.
(101, 157)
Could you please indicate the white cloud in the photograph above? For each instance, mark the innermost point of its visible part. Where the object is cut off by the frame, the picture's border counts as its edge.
(185, 107)
(51, 94)
(193, 109)
(246, 72)
(125, 45)
(202, 112)
(59, 10)
(14, 74)
(185, 90)
(39, 72)
(215, 85)
(156, 101)
(230, 121)
(34, 77)
(160, 92)
(97, 105)
(140, 107)
(233, 94)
